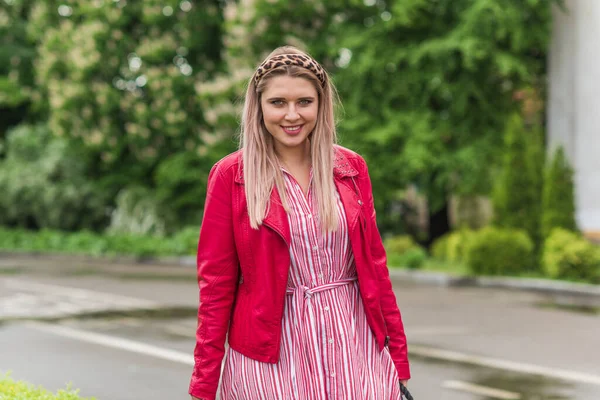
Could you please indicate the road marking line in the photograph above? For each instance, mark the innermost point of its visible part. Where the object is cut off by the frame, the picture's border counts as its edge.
(77, 293)
(115, 343)
(481, 390)
(554, 373)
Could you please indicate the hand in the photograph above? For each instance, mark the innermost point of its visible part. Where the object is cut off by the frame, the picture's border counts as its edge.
(404, 382)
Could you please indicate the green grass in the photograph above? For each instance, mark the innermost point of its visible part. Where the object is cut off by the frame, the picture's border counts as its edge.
(19, 390)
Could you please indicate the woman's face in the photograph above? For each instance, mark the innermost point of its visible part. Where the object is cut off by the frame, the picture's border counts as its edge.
(290, 107)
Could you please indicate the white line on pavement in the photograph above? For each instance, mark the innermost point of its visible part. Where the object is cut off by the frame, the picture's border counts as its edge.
(481, 390)
(115, 343)
(423, 351)
(506, 365)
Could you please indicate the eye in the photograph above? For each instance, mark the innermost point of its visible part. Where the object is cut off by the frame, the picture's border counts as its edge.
(277, 102)
(305, 102)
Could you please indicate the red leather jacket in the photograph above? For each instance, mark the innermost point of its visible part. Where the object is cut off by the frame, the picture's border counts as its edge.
(243, 272)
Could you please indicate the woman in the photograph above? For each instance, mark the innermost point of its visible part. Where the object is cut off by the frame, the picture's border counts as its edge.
(290, 262)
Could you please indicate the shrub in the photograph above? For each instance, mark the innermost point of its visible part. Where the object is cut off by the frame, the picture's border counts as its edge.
(495, 251)
(136, 213)
(413, 258)
(558, 210)
(403, 251)
(44, 185)
(400, 244)
(452, 247)
(439, 248)
(11, 389)
(567, 255)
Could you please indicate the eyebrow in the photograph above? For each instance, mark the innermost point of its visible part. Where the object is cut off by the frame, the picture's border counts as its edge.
(283, 98)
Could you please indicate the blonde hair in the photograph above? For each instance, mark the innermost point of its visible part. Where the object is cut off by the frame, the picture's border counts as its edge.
(260, 164)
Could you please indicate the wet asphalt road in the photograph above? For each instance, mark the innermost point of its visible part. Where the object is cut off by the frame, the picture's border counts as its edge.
(154, 361)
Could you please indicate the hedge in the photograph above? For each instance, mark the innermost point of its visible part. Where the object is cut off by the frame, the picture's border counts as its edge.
(495, 251)
(19, 390)
(403, 251)
(568, 255)
(86, 242)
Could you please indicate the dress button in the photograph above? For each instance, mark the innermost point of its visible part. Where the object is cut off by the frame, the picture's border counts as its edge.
(326, 308)
(309, 216)
(330, 341)
(315, 248)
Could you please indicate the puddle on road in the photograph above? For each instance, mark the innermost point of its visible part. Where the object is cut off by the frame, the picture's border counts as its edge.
(530, 387)
(571, 307)
(140, 314)
(11, 271)
(183, 276)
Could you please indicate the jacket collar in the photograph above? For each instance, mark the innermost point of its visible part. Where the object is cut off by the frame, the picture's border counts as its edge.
(342, 168)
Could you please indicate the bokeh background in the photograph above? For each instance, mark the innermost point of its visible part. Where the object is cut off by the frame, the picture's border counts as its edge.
(112, 113)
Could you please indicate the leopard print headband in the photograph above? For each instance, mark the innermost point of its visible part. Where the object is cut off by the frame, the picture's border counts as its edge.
(290, 59)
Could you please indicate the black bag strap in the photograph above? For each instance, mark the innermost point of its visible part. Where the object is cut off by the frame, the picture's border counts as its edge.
(405, 392)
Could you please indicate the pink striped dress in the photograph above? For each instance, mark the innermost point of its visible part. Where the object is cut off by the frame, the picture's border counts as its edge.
(327, 350)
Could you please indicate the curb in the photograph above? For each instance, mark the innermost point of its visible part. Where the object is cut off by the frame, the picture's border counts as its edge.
(582, 293)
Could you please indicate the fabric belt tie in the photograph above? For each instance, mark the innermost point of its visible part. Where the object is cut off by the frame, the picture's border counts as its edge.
(303, 293)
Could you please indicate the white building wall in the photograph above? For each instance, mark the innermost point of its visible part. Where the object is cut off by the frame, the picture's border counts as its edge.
(574, 102)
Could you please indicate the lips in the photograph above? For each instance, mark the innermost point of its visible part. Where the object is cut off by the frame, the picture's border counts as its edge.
(292, 130)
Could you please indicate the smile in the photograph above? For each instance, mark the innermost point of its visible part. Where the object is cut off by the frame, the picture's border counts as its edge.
(292, 129)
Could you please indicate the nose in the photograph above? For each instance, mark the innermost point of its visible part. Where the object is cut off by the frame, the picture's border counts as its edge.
(291, 113)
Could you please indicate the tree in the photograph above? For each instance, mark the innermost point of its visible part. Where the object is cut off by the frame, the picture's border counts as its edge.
(517, 195)
(426, 86)
(122, 78)
(17, 52)
(558, 209)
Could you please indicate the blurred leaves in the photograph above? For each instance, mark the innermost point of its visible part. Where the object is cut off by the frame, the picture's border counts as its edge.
(43, 183)
(152, 89)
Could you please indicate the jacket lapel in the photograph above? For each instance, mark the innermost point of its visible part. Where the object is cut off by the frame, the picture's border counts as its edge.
(344, 174)
(276, 217)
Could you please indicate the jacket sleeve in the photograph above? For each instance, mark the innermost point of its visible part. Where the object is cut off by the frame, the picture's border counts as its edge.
(217, 263)
(397, 338)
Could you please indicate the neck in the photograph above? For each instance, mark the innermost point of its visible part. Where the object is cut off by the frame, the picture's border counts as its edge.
(297, 157)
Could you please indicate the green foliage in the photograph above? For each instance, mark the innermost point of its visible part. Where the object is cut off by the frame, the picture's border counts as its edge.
(17, 53)
(86, 242)
(558, 209)
(43, 183)
(413, 258)
(400, 244)
(11, 389)
(567, 255)
(452, 247)
(426, 86)
(181, 181)
(137, 212)
(517, 197)
(496, 251)
(124, 78)
(403, 251)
